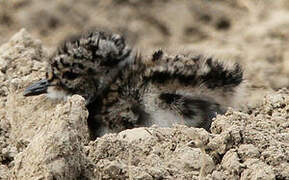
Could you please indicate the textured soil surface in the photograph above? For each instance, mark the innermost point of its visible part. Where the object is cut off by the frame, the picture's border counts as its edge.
(45, 139)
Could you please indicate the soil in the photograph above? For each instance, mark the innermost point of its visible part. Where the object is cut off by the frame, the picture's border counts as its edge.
(45, 139)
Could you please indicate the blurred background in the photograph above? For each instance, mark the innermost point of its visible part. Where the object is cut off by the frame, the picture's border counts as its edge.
(253, 32)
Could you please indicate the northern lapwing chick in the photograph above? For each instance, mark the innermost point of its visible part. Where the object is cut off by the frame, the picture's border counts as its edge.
(124, 90)
(85, 65)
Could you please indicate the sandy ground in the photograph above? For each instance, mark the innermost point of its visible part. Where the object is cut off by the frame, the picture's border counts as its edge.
(42, 139)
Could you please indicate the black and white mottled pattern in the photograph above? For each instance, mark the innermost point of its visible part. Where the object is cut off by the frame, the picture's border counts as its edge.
(125, 90)
(87, 64)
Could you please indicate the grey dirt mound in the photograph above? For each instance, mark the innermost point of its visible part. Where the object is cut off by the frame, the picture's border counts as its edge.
(45, 139)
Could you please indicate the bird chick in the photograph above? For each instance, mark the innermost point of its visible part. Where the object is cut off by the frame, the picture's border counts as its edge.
(166, 90)
(83, 64)
(124, 90)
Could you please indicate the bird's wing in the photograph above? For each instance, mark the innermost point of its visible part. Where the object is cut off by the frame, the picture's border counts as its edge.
(194, 75)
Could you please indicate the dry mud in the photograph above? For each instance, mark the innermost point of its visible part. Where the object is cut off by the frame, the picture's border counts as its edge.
(44, 139)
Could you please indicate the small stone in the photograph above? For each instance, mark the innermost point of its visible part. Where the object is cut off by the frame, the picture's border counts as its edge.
(246, 151)
(257, 169)
(231, 162)
(136, 134)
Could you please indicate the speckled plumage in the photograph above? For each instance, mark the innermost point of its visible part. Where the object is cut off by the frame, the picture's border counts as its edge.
(124, 90)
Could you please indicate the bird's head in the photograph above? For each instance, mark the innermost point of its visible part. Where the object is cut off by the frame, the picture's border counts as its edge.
(84, 65)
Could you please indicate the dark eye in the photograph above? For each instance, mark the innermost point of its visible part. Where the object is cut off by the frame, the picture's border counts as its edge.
(70, 75)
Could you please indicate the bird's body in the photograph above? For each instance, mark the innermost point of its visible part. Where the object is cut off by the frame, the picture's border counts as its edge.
(124, 90)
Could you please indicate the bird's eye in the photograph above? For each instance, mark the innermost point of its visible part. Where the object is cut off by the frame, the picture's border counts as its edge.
(70, 75)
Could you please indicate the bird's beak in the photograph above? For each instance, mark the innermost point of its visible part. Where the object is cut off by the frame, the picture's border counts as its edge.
(37, 88)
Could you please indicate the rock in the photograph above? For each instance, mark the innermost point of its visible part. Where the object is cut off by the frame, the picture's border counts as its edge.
(137, 134)
(257, 170)
(56, 151)
(246, 151)
(231, 162)
(4, 172)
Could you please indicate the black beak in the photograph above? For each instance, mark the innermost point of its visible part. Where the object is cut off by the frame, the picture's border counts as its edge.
(37, 88)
